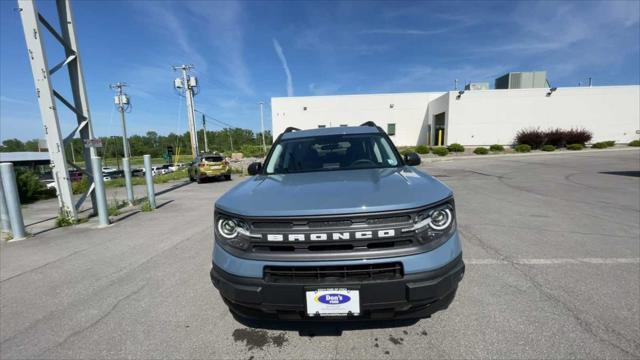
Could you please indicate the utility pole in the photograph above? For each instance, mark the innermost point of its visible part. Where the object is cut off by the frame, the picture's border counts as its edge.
(121, 101)
(204, 133)
(230, 139)
(264, 143)
(188, 85)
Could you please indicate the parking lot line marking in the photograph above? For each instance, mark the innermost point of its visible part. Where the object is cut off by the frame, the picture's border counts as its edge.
(553, 261)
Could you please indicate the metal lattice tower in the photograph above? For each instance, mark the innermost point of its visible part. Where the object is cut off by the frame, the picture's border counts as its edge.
(32, 24)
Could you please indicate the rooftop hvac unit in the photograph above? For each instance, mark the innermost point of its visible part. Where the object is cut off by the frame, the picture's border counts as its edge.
(477, 86)
(522, 80)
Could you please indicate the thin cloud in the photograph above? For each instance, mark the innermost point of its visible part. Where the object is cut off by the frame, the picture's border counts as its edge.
(323, 89)
(285, 66)
(14, 101)
(163, 19)
(403, 31)
(224, 29)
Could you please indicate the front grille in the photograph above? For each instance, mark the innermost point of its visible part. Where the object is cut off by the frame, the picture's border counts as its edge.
(329, 246)
(320, 274)
(338, 224)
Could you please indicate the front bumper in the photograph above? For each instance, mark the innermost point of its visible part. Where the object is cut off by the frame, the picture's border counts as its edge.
(416, 295)
(213, 173)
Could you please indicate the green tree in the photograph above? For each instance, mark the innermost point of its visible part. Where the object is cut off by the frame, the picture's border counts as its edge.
(10, 145)
(31, 145)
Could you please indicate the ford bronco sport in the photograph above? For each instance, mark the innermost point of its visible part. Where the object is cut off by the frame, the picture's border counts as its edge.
(335, 224)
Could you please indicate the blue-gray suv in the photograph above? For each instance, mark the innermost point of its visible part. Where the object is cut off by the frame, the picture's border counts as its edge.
(337, 225)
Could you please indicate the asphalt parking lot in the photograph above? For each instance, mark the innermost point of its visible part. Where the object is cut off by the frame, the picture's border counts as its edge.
(551, 242)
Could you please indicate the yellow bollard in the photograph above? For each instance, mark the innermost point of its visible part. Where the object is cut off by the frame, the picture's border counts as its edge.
(439, 137)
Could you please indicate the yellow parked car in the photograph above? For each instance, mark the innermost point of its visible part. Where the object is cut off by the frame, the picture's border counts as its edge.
(209, 166)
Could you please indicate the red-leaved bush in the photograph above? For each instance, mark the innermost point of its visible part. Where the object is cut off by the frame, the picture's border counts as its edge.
(578, 136)
(537, 138)
(533, 137)
(555, 137)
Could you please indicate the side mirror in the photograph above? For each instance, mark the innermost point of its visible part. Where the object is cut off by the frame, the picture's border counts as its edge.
(412, 159)
(254, 168)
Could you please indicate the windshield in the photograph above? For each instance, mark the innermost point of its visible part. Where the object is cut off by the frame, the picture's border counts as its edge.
(213, 159)
(332, 152)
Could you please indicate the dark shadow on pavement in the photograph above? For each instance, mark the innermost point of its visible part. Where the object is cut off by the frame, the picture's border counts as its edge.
(53, 218)
(164, 203)
(174, 187)
(125, 216)
(622, 173)
(322, 328)
(41, 221)
(44, 230)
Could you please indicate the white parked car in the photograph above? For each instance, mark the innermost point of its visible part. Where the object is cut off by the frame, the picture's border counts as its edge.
(177, 166)
(50, 184)
(161, 170)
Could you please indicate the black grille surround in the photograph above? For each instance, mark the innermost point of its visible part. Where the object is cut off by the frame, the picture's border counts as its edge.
(333, 274)
(400, 244)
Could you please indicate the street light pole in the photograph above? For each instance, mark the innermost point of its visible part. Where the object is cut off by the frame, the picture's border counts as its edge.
(204, 133)
(264, 143)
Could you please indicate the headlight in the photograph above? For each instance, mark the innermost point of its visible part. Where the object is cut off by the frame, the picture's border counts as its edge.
(440, 219)
(434, 225)
(228, 228)
(232, 231)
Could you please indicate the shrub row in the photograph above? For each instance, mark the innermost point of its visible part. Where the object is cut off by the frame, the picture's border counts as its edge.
(603, 144)
(422, 149)
(481, 151)
(523, 148)
(405, 151)
(537, 138)
(440, 151)
(455, 147)
(635, 143)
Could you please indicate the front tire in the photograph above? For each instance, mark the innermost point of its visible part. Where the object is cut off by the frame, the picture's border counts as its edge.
(227, 177)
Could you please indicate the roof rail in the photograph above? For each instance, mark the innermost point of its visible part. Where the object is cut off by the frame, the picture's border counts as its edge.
(290, 129)
(372, 124)
(369, 123)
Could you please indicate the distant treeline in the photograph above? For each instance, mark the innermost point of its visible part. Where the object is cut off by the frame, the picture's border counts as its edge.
(243, 140)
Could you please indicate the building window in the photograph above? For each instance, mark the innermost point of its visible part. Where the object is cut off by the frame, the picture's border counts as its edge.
(322, 126)
(391, 129)
(304, 108)
(343, 125)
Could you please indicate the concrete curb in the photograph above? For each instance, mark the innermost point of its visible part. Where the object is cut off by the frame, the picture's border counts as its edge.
(537, 153)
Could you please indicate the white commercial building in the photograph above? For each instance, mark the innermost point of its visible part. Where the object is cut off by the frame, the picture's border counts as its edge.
(472, 117)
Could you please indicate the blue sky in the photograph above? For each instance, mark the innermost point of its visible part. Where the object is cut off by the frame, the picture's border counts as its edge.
(246, 52)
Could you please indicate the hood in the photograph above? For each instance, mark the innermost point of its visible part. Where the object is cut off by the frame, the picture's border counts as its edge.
(333, 192)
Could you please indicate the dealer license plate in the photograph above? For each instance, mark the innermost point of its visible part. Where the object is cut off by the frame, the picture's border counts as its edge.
(333, 302)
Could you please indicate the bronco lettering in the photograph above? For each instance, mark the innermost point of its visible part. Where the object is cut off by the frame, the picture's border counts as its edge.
(334, 236)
